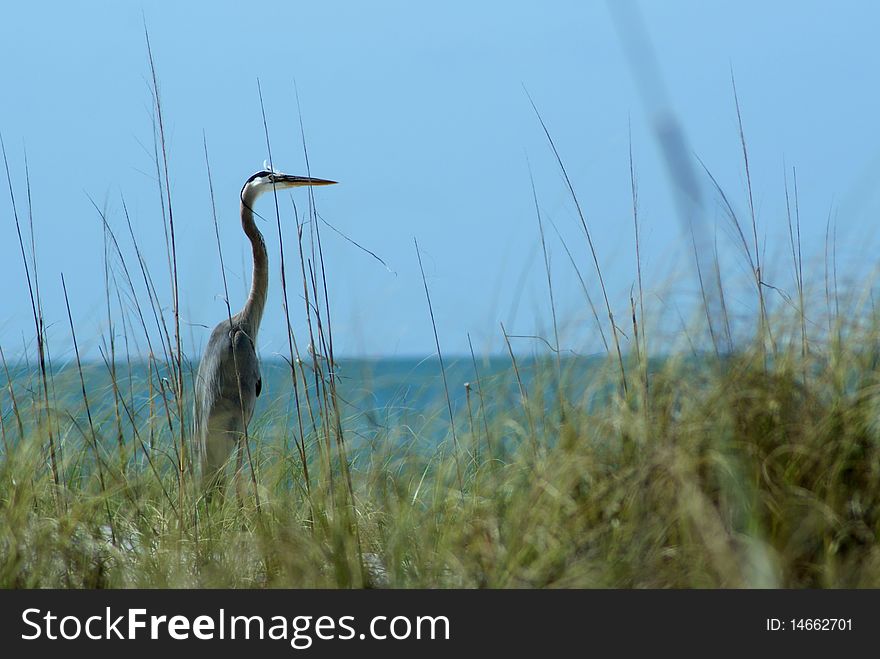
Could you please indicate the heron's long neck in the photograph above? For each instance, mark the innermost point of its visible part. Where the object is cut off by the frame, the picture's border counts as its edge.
(252, 312)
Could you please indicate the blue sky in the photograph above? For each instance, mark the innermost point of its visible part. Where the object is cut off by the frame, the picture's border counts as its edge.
(419, 110)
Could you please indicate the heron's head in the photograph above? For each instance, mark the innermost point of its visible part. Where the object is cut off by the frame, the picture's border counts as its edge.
(267, 180)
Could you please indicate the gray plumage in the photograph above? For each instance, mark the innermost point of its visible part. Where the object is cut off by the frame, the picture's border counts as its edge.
(228, 381)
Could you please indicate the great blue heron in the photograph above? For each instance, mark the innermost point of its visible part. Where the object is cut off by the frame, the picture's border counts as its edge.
(228, 381)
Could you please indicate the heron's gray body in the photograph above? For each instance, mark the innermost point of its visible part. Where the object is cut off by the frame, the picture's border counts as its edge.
(228, 380)
(228, 383)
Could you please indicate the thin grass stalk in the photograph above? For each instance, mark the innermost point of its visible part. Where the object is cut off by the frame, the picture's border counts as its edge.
(722, 301)
(319, 354)
(803, 317)
(300, 441)
(112, 345)
(480, 394)
(475, 438)
(523, 393)
(127, 330)
(328, 340)
(94, 436)
(298, 361)
(442, 368)
(548, 274)
(11, 389)
(121, 455)
(6, 446)
(308, 308)
(827, 273)
(794, 243)
(764, 328)
(38, 329)
(836, 287)
(643, 350)
(177, 356)
(583, 284)
(152, 296)
(704, 294)
(42, 324)
(590, 244)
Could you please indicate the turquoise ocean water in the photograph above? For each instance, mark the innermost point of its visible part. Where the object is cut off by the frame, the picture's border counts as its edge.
(400, 400)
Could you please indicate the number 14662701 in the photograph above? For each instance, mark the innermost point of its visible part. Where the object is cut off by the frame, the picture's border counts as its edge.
(809, 624)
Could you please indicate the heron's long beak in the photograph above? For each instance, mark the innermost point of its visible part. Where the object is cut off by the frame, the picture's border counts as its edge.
(288, 181)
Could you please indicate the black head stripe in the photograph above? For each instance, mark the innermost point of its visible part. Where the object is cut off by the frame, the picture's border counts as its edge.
(260, 174)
